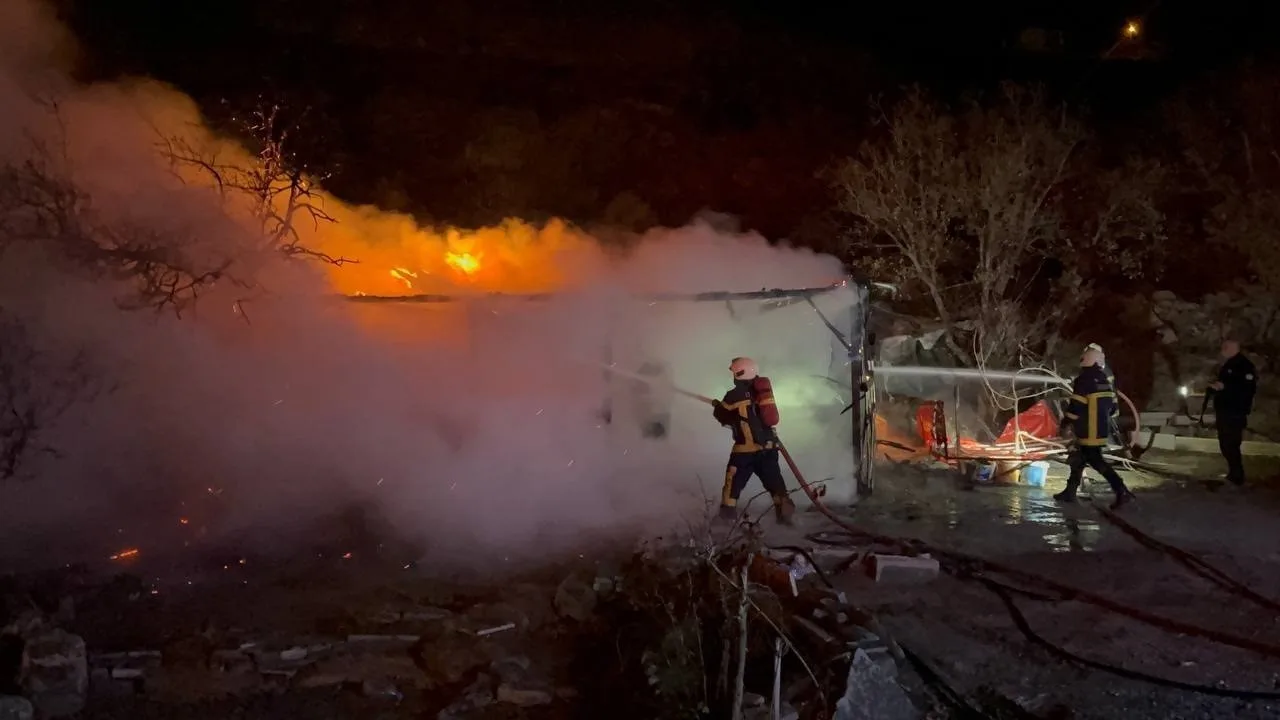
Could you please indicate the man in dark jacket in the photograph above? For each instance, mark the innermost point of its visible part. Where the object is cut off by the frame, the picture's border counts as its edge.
(755, 444)
(1232, 402)
(1089, 418)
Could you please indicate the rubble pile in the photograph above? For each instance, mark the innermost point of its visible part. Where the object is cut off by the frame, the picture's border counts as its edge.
(462, 659)
(669, 624)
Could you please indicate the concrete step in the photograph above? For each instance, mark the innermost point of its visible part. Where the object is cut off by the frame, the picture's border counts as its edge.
(1184, 443)
(1168, 419)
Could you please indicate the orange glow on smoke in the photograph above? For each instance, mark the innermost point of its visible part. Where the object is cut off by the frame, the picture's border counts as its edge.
(125, 554)
(387, 253)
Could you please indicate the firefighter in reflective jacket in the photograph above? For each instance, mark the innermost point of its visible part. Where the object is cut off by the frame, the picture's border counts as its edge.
(748, 409)
(1088, 416)
(1111, 378)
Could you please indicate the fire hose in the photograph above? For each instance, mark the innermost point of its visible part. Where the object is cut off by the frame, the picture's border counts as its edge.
(966, 566)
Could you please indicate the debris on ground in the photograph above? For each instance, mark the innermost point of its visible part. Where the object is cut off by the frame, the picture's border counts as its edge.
(519, 684)
(666, 624)
(57, 673)
(871, 693)
(477, 696)
(900, 568)
(13, 707)
(575, 599)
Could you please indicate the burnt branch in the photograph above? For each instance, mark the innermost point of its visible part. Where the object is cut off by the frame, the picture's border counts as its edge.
(274, 186)
(40, 205)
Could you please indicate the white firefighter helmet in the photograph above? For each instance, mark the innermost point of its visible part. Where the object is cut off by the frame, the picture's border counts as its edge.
(1091, 356)
(1100, 358)
(744, 368)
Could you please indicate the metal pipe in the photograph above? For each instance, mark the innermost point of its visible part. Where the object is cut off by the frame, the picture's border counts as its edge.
(1031, 377)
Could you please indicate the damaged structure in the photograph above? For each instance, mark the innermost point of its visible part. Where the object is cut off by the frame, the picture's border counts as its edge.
(630, 351)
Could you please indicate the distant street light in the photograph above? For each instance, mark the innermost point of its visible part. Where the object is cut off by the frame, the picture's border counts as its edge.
(1132, 29)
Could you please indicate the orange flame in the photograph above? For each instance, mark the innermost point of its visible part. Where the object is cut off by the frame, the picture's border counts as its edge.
(396, 256)
(125, 554)
(466, 263)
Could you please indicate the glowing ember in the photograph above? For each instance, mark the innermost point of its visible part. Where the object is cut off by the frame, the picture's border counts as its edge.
(125, 554)
(403, 276)
(466, 263)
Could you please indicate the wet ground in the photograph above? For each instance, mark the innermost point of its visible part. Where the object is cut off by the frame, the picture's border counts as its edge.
(965, 631)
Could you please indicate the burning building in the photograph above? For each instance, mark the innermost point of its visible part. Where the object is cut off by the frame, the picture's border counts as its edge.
(628, 351)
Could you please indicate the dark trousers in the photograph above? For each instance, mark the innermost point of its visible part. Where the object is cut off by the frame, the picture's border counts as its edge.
(1230, 436)
(740, 469)
(1091, 456)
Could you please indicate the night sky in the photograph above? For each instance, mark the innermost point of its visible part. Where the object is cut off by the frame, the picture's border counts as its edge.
(750, 99)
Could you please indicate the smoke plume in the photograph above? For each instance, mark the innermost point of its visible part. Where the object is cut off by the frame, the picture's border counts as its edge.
(483, 430)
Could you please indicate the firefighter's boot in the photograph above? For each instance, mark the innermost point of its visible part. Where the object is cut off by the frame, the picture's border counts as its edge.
(1122, 499)
(784, 509)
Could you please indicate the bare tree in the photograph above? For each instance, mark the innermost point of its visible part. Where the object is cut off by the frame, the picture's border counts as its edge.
(41, 205)
(46, 213)
(995, 216)
(276, 186)
(37, 387)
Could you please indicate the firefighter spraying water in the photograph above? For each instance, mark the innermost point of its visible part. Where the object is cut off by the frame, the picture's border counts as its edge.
(749, 410)
(1089, 417)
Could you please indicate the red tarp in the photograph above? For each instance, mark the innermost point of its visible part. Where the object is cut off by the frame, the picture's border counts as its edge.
(924, 424)
(1037, 421)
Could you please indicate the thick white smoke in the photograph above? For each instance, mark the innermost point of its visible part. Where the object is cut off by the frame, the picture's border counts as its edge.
(477, 427)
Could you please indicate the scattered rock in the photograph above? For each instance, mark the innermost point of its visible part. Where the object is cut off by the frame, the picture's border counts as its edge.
(512, 669)
(477, 696)
(872, 694)
(575, 599)
(58, 678)
(524, 696)
(518, 685)
(425, 615)
(381, 690)
(900, 568)
(399, 669)
(28, 624)
(448, 659)
(608, 578)
(187, 685)
(382, 616)
(13, 707)
(320, 680)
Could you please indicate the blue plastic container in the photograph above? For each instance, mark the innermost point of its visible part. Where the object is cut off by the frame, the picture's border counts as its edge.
(1034, 474)
(983, 472)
